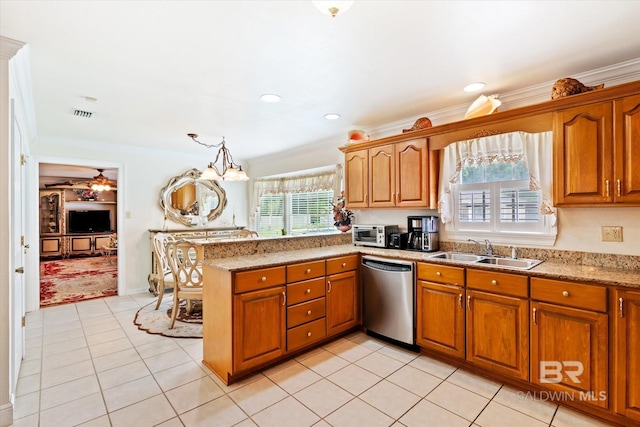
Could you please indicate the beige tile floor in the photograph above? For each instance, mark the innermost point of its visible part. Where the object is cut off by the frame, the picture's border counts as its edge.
(87, 364)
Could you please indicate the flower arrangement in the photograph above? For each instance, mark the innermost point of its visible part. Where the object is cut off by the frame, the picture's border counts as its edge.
(87, 194)
(341, 215)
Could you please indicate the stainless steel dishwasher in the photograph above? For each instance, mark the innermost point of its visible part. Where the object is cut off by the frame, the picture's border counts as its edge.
(388, 298)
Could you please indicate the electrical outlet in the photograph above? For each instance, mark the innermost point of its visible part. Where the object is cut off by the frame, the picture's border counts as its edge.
(611, 233)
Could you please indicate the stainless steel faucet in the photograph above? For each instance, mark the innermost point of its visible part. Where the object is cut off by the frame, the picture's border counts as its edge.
(488, 249)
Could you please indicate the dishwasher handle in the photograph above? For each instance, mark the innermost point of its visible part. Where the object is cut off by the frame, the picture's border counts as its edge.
(387, 265)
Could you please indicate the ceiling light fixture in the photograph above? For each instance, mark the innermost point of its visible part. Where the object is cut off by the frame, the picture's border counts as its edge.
(101, 182)
(270, 97)
(332, 116)
(332, 8)
(231, 171)
(474, 87)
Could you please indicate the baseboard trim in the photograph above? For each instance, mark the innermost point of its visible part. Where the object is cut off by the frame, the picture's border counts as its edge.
(6, 415)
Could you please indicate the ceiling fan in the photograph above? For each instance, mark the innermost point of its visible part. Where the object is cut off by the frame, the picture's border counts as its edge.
(98, 183)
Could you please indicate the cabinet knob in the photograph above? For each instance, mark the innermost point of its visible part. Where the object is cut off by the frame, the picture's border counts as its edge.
(565, 293)
(308, 291)
(309, 313)
(438, 273)
(263, 278)
(308, 270)
(494, 282)
(344, 264)
(308, 334)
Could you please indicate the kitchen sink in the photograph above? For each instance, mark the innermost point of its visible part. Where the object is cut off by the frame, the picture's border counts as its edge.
(494, 261)
(458, 256)
(520, 263)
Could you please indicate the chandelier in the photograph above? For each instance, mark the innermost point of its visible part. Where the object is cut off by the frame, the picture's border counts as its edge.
(332, 8)
(230, 171)
(101, 182)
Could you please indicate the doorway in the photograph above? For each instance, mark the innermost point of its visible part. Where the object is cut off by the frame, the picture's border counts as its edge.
(78, 232)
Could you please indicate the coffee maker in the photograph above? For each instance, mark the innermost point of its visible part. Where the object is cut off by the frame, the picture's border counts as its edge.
(423, 233)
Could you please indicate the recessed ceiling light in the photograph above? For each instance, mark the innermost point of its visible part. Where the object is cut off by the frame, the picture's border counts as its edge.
(270, 97)
(474, 87)
(332, 116)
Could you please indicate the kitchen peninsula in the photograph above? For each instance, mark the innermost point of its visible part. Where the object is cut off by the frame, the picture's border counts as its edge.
(271, 299)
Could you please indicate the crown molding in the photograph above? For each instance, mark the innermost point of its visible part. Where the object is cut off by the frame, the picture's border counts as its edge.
(9, 47)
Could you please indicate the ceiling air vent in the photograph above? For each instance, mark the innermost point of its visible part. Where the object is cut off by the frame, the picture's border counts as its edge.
(82, 113)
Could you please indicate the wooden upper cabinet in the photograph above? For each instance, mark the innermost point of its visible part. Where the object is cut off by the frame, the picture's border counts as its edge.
(357, 179)
(401, 174)
(626, 113)
(382, 180)
(596, 153)
(583, 155)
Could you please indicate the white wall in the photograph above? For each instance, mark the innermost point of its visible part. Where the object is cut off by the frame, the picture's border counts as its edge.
(142, 176)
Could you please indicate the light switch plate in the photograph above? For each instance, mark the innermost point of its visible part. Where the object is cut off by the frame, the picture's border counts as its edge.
(611, 233)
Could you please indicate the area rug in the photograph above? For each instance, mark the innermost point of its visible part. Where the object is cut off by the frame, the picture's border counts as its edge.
(157, 321)
(77, 279)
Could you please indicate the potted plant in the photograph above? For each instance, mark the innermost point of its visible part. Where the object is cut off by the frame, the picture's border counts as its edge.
(341, 215)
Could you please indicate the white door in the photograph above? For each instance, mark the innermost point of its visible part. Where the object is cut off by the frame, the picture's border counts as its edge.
(18, 249)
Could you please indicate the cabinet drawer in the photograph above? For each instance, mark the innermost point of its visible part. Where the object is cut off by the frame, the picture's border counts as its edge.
(441, 273)
(343, 263)
(304, 271)
(306, 334)
(259, 279)
(305, 291)
(588, 297)
(499, 283)
(305, 312)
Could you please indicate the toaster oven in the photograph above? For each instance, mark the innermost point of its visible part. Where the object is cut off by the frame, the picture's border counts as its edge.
(372, 235)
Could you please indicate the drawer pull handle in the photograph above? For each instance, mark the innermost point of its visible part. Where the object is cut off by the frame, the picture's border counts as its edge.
(308, 291)
(621, 306)
(344, 264)
(606, 189)
(494, 282)
(460, 301)
(263, 278)
(309, 333)
(438, 273)
(535, 321)
(469, 302)
(565, 293)
(329, 285)
(284, 298)
(308, 271)
(309, 313)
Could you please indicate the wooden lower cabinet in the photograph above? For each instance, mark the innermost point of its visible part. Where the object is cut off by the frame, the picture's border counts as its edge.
(498, 333)
(440, 317)
(260, 327)
(627, 353)
(343, 302)
(569, 351)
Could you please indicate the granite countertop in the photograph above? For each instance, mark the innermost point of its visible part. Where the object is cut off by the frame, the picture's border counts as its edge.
(547, 269)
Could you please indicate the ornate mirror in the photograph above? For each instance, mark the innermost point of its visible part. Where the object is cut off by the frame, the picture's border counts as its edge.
(191, 201)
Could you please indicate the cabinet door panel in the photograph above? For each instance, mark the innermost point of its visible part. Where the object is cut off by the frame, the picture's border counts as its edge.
(411, 173)
(382, 178)
(440, 317)
(498, 333)
(259, 320)
(342, 298)
(583, 155)
(357, 179)
(627, 345)
(569, 351)
(627, 149)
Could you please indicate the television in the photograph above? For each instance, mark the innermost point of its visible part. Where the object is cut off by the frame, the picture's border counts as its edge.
(89, 221)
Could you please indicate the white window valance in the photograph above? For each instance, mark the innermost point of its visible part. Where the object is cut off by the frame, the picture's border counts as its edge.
(328, 179)
(534, 149)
